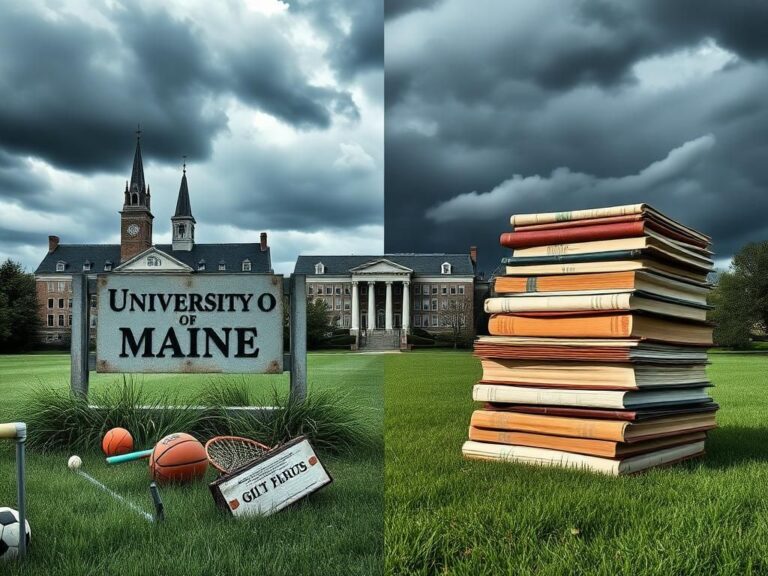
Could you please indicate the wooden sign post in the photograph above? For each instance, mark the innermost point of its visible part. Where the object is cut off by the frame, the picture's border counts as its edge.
(189, 323)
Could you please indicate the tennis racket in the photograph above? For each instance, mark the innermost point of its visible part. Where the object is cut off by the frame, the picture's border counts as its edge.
(228, 453)
(129, 457)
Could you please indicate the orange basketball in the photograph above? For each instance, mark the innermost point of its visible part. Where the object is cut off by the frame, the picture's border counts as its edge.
(117, 441)
(178, 458)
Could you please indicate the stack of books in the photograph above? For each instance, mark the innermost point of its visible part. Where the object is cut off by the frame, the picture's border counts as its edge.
(598, 344)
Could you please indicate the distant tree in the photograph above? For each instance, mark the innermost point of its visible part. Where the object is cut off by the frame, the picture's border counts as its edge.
(19, 315)
(457, 315)
(317, 321)
(740, 298)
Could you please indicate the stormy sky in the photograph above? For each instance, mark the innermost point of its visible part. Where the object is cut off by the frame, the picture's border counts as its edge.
(278, 107)
(498, 107)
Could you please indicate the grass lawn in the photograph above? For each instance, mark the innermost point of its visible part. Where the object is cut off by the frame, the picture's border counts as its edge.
(448, 515)
(76, 529)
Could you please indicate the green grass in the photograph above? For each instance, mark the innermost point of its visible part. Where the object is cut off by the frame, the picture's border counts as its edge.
(77, 530)
(445, 515)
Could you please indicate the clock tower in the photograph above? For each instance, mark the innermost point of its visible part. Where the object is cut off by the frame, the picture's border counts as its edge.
(136, 216)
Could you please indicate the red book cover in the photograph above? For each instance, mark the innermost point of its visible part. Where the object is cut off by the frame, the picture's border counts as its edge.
(569, 235)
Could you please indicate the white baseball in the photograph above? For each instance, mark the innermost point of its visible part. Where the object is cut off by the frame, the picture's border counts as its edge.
(74, 462)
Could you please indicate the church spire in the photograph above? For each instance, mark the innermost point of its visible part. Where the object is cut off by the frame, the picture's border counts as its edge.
(182, 222)
(137, 174)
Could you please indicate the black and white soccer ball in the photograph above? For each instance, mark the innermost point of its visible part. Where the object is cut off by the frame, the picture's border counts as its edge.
(9, 533)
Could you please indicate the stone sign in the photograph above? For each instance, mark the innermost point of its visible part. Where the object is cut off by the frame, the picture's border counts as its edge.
(189, 323)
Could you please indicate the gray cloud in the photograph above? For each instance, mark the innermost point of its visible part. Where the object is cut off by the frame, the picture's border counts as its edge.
(552, 105)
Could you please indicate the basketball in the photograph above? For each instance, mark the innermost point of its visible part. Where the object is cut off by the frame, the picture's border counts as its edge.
(117, 441)
(178, 458)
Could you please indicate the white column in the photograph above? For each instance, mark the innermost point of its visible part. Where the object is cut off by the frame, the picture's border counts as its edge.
(371, 307)
(406, 315)
(355, 308)
(388, 308)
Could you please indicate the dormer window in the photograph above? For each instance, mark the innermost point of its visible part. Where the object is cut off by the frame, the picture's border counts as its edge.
(222, 265)
(60, 266)
(154, 261)
(319, 268)
(108, 266)
(201, 265)
(445, 268)
(246, 265)
(87, 266)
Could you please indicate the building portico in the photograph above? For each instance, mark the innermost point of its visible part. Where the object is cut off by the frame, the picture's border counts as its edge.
(372, 275)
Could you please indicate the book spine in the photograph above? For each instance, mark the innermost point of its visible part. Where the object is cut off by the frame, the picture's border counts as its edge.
(606, 326)
(574, 427)
(573, 258)
(619, 301)
(544, 218)
(567, 235)
(595, 247)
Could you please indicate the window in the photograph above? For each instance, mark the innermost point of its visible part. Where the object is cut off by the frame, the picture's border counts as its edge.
(425, 304)
(347, 321)
(445, 268)
(50, 302)
(434, 320)
(338, 289)
(246, 265)
(60, 266)
(64, 287)
(182, 230)
(434, 303)
(416, 303)
(434, 289)
(222, 265)
(61, 302)
(87, 266)
(107, 266)
(328, 290)
(346, 305)
(453, 289)
(61, 319)
(346, 289)
(338, 303)
(201, 265)
(444, 289)
(310, 290)
(50, 319)
(425, 289)
(319, 268)
(444, 305)
(417, 320)
(69, 320)
(461, 289)
(154, 261)
(69, 303)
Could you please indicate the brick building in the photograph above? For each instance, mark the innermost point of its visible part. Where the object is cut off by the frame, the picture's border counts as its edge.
(137, 253)
(386, 297)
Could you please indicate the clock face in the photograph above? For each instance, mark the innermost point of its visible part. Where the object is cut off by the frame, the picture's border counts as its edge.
(133, 229)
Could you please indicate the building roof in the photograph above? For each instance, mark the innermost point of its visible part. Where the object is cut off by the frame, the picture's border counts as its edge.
(183, 206)
(75, 255)
(421, 264)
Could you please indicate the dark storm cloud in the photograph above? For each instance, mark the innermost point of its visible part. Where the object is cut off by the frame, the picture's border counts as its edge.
(538, 106)
(72, 92)
(361, 47)
(395, 8)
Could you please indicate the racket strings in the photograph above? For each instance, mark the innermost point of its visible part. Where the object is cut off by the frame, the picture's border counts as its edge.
(230, 454)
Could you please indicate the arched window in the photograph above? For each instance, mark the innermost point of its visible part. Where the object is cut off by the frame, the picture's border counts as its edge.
(181, 230)
(319, 268)
(134, 199)
(445, 268)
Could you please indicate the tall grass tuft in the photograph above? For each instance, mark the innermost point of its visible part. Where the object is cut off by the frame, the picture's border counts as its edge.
(60, 420)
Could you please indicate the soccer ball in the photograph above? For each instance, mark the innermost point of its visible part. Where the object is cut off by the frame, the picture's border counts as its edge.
(9, 533)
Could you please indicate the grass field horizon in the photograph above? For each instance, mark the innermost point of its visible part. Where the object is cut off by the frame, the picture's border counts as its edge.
(448, 515)
(76, 529)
